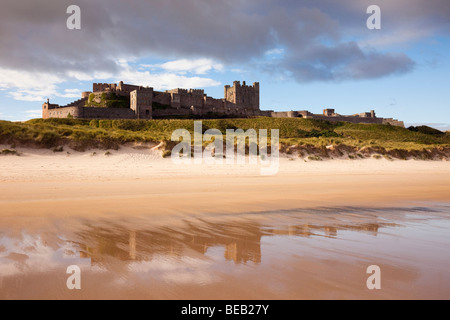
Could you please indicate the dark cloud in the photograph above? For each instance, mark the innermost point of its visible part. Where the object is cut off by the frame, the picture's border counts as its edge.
(343, 62)
(314, 34)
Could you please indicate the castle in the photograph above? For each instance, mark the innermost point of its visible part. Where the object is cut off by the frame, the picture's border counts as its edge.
(125, 101)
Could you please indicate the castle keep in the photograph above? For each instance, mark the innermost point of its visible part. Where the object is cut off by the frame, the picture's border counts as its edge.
(125, 101)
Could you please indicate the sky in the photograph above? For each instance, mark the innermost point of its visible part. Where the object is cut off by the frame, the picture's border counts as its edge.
(306, 54)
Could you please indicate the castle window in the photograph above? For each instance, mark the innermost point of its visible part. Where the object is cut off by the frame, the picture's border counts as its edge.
(147, 112)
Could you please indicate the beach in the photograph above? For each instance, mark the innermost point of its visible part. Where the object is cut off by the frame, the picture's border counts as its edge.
(141, 181)
(221, 231)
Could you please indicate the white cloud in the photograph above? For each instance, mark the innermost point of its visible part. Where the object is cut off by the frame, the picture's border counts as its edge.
(72, 90)
(71, 93)
(32, 95)
(163, 81)
(36, 254)
(37, 113)
(29, 86)
(27, 80)
(83, 76)
(37, 86)
(275, 52)
(196, 66)
(186, 270)
(26, 96)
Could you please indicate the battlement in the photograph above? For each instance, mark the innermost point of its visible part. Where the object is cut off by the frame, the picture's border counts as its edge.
(100, 87)
(177, 91)
(237, 84)
(196, 92)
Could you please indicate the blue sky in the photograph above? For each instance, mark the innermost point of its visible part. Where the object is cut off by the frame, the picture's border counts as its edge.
(307, 55)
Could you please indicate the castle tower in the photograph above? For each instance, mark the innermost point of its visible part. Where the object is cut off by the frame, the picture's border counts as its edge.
(47, 107)
(243, 95)
(141, 101)
(328, 112)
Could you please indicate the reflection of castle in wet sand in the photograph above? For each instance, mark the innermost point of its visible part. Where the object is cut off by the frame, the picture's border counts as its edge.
(241, 241)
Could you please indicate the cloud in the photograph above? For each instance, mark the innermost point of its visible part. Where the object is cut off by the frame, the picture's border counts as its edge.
(274, 52)
(197, 66)
(344, 62)
(34, 113)
(32, 253)
(163, 80)
(180, 271)
(199, 36)
(71, 93)
(33, 95)
(36, 86)
(29, 86)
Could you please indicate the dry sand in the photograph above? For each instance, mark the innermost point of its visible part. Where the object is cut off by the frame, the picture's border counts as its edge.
(140, 181)
(170, 223)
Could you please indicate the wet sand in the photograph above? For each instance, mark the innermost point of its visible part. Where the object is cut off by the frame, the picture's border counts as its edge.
(142, 227)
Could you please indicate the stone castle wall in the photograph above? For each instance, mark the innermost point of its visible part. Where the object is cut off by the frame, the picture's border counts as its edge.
(366, 117)
(213, 105)
(66, 112)
(107, 113)
(162, 98)
(161, 113)
(79, 112)
(188, 100)
(347, 119)
(393, 122)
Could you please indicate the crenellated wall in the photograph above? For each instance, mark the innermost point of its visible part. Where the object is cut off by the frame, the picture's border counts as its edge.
(100, 87)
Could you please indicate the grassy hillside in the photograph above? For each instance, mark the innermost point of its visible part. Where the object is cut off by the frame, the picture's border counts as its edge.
(296, 135)
(110, 100)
